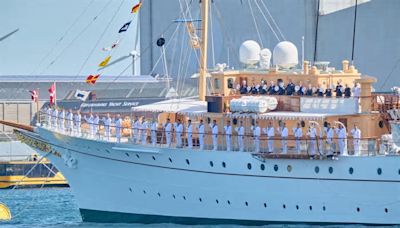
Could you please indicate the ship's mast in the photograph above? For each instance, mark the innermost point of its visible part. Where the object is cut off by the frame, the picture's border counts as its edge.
(203, 54)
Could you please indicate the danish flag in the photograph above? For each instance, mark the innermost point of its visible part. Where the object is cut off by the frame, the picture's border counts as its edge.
(52, 93)
(34, 95)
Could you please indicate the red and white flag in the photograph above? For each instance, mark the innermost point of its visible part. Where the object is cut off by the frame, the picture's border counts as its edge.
(52, 93)
(34, 95)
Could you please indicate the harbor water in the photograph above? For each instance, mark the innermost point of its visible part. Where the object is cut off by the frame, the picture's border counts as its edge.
(56, 207)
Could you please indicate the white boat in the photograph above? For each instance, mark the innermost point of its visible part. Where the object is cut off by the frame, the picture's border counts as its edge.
(160, 183)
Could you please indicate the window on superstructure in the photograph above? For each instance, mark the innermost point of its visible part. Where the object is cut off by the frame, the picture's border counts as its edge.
(217, 83)
(230, 83)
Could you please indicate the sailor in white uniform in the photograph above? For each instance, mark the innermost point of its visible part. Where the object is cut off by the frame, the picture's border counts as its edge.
(118, 128)
(48, 117)
(178, 132)
(96, 126)
(256, 134)
(70, 121)
(190, 134)
(61, 121)
(356, 96)
(154, 128)
(143, 131)
(200, 131)
(77, 123)
(356, 133)
(312, 134)
(342, 139)
(283, 131)
(329, 139)
(270, 132)
(240, 132)
(54, 116)
(298, 134)
(107, 126)
(228, 135)
(168, 129)
(214, 132)
(136, 127)
(90, 121)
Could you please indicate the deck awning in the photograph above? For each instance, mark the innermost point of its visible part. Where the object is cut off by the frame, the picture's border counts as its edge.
(187, 106)
(282, 116)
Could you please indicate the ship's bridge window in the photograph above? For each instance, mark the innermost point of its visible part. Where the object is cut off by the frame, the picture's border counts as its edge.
(230, 83)
(217, 83)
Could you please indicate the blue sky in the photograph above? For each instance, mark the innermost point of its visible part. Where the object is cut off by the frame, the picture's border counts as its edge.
(42, 23)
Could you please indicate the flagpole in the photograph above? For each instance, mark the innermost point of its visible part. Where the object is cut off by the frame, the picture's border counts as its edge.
(37, 108)
(55, 94)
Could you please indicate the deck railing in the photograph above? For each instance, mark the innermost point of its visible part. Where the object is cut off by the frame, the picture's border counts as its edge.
(321, 145)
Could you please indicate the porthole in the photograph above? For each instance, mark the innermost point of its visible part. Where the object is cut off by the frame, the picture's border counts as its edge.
(154, 158)
(303, 124)
(351, 170)
(127, 154)
(316, 169)
(246, 203)
(159, 194)
(184, 197)
(284, 206)
(379, 171)
(310, 207)
(386, 210)
(200, 200)
(330, 170)
(381, 124)
(358, 209)
(211, 164)
(173, 196)
(144, 191)
(130, 189)
(170, 160)
(324, 208)
(297, 207)
(217, 201)
(137, 155)
(223, 164)
(399, 171)
(276, 168)
(187, 161)
(289, 168)
(262, 167)
(265, 205)
(248, 165)
(229, 202)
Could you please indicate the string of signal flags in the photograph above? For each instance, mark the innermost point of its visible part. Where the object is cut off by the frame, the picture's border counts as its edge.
(91, 79)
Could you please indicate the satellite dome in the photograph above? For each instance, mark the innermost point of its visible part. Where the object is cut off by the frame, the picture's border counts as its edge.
(285, 55)
(249, 52)
(265, 58)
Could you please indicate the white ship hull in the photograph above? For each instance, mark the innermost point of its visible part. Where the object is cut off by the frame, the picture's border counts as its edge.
(131, 183)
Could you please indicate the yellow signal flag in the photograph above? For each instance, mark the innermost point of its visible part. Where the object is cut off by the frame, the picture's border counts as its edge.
(105, 61)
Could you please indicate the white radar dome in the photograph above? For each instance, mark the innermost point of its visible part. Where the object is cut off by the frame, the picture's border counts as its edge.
(285, 55)
(265, 58)
(249, 52)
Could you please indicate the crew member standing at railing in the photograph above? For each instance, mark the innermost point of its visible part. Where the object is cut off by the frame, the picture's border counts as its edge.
(178, 131)
(214, 132)
(48, 116)
(118, 128)
(154, 127)
(228, 135)
(70, 121)
(329, 138)
(107, 129)
(143, 130)
(200, 131)
(312, 134)
(77, 120)
(136, 126)
(284, 134)
(240, 132)
(61, 121)
(270, 132)
(356, 95)
(90, 121)
(256, 134)
(96, 126)
(168, 128)
(356, 133)
(298, 134)
(190, 134)
(342, 139)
